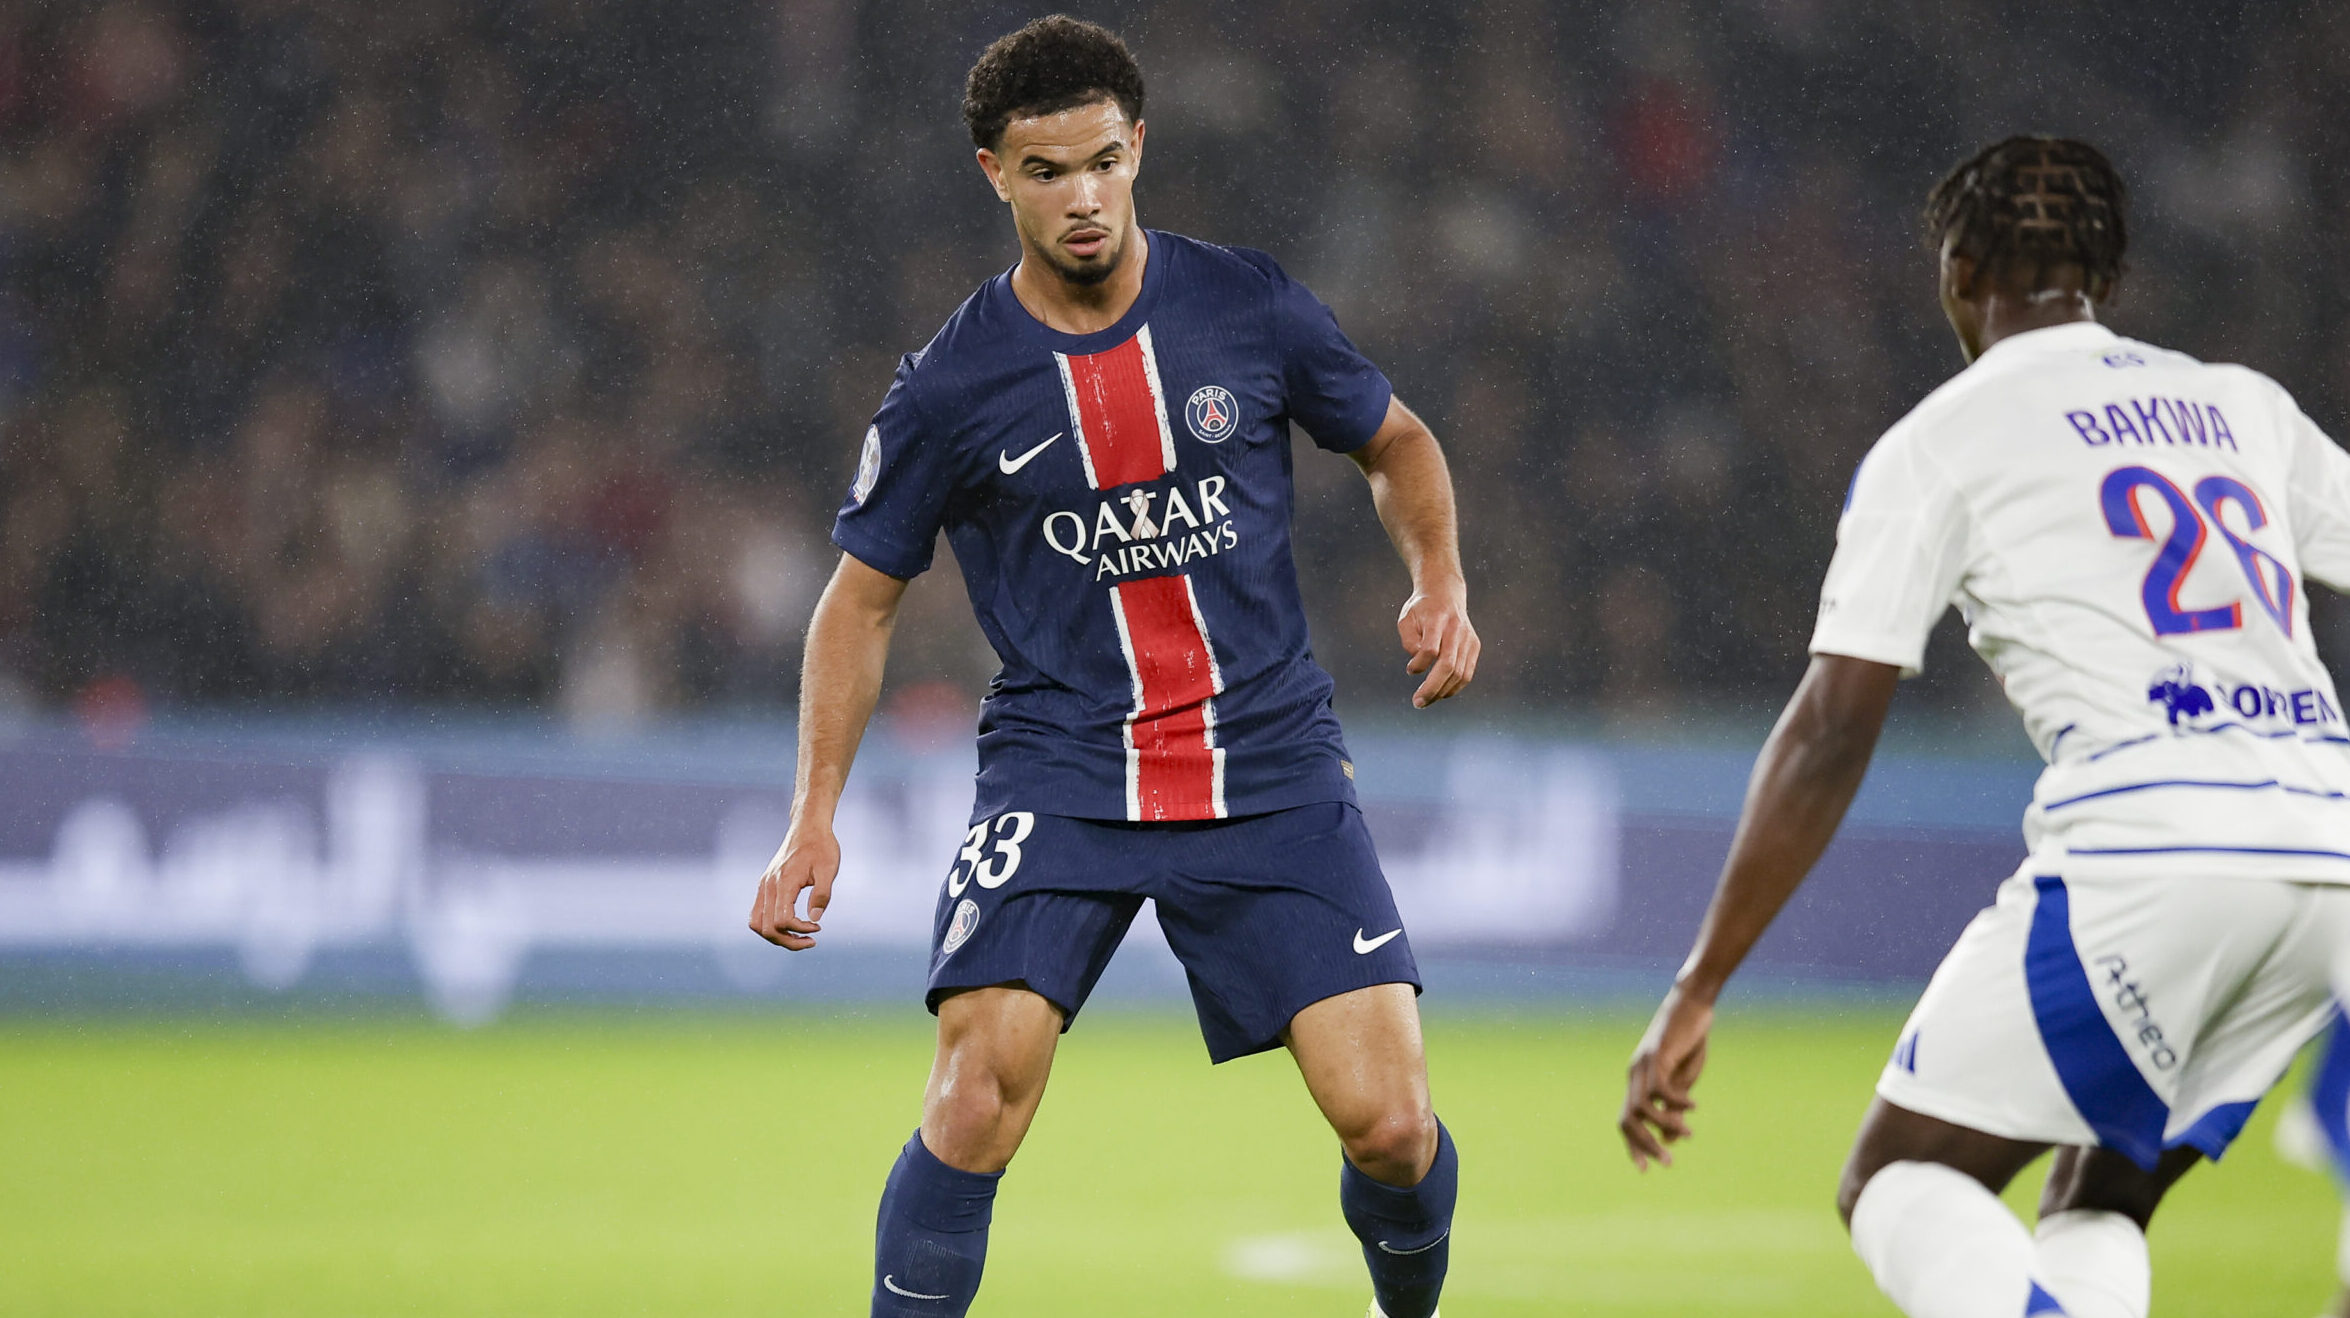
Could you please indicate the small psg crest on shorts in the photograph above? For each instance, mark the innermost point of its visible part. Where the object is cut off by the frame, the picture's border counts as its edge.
(959, 929)
(1212, 414)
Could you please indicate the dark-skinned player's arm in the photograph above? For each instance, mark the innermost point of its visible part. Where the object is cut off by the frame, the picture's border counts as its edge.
(1803, 781)
(1412, 489)
(840, 680)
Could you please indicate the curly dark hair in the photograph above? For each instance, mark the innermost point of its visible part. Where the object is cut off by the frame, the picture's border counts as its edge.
(1055, 63)
(2027, 207)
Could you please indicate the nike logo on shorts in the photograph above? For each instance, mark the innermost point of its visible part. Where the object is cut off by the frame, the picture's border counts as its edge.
(893, 1288)
(1366, 946)
(1008, 464)
(1406, 1253)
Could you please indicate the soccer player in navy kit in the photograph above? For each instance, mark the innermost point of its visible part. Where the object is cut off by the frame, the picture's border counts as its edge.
(1103, 434)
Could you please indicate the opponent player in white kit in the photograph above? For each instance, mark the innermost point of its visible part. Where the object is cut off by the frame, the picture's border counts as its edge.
(2127, 532)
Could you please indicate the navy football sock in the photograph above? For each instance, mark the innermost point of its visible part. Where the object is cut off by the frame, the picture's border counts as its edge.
(931, 1243)
(1406, 1233)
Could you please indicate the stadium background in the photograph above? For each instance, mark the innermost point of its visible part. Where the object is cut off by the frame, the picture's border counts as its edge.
(447, 401)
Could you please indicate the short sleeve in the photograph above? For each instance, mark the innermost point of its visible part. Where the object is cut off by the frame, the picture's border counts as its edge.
(904, 474)
(1333, 390)
(2318, 501)
(1900, 557)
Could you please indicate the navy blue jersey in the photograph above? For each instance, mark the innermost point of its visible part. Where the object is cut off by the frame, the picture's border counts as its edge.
(1119, 503)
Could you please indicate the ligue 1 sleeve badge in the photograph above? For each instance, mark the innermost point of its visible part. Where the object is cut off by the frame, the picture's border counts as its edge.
(868, 465)
(1211, 413)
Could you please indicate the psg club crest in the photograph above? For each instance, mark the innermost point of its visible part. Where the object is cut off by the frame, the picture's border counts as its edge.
(959, 929)
(1211, 413)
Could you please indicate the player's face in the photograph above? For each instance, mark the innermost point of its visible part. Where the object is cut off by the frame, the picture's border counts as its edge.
(1069, 179)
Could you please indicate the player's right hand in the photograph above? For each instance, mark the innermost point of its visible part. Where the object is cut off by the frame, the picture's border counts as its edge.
(1436, 632)
(808, 861)
(1664, 1069)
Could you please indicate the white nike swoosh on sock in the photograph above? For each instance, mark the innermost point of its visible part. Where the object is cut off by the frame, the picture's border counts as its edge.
(895, 1289)
(1407, 1253)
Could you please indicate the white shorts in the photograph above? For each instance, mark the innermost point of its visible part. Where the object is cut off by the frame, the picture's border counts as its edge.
(2141, 1014)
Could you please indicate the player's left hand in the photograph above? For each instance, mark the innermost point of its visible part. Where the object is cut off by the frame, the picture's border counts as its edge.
(1436, 632)
(1664, 1069)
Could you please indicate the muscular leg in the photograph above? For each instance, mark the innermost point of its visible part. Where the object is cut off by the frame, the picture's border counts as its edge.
(1361, 1058)
(995, 1050)
(1890, 1134)
(1921, 1197)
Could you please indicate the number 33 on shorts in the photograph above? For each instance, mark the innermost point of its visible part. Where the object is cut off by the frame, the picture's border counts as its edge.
(991, 852)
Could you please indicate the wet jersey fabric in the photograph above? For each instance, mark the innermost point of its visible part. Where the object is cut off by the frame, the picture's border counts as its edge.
(1119, 504)
(2128, 533)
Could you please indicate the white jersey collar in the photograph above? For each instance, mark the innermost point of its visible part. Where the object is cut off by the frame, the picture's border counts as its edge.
(2070, 336)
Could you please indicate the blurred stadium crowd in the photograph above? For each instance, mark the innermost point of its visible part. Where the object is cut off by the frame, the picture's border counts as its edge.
(517, 353)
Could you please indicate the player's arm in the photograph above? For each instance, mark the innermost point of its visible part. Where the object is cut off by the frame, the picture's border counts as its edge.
(840, 680)
(1802, 784)
(1412, 489)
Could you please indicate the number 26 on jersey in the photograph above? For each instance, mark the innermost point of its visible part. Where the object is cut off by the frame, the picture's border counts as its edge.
(2191, 524)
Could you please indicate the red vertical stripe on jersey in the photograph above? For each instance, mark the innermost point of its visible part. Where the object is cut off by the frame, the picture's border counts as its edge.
(1118, 415)
(1173, 768)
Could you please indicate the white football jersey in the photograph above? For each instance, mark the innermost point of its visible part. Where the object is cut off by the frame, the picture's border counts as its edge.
(2128, 533)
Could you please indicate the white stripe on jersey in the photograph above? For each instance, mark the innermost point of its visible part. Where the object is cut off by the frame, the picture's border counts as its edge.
(1126, 729)
(1076, 419)
(1150, 371)
(1215, 684)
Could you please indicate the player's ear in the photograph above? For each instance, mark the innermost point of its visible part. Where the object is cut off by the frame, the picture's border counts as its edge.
(1958, 275)
(1135, 151)
(994, 169)
(1953, 271)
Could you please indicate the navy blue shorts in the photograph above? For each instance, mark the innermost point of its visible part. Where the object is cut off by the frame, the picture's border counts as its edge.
(1269, 913)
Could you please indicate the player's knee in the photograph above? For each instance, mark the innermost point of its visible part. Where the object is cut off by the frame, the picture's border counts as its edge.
(1848, 1187)
(1391, 1143)
(1860, 1168)
(966, 1123)
(2102, 1180)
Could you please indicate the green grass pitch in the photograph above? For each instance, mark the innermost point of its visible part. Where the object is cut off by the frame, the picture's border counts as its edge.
(729, 1164)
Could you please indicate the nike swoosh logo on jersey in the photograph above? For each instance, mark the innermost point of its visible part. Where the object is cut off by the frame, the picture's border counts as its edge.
(1366, 946)
(1407, 1253)
(893, 1288)
(1008, 464)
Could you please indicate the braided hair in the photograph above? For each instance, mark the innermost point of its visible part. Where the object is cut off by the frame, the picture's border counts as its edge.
(2027, 207)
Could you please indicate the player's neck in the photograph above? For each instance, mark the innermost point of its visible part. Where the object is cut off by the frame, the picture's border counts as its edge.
(1074, 308)
(2006, 315)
